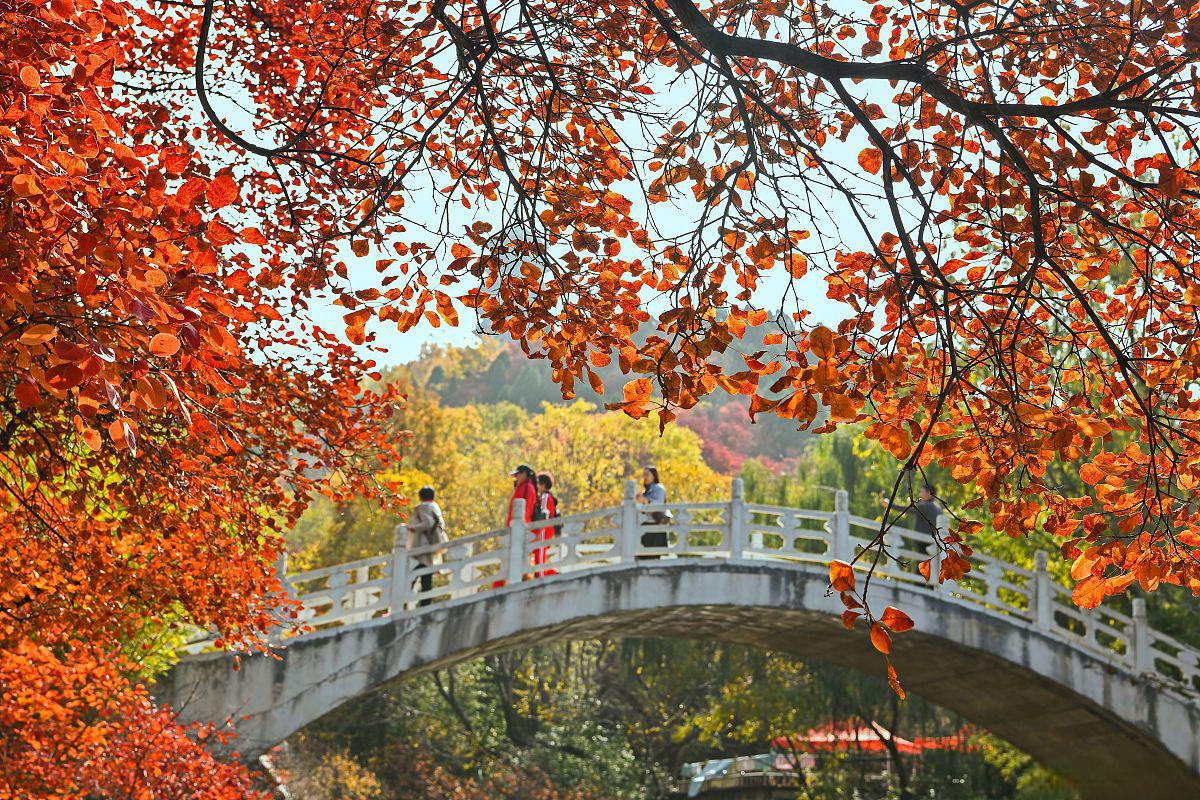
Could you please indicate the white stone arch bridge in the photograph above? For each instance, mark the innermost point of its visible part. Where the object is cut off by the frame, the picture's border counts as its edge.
(1099, 695)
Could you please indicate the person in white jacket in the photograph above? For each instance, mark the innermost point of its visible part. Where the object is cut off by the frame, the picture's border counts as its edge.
(426, 528)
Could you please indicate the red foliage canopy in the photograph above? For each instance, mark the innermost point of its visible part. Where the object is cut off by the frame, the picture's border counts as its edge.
(1001, 197)
(159, 423)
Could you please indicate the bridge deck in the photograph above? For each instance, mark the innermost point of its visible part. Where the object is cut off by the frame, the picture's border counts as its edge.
(388, 585)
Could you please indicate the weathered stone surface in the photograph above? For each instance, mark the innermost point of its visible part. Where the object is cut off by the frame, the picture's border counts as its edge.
(1117, 734)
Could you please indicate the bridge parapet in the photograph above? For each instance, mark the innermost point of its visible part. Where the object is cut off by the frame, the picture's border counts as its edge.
(389, 585)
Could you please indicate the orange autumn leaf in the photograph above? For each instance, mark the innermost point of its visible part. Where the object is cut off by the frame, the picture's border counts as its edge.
(1090, 426)
(25, 185)
(894, 680)
(91, 437)
(30, 78)
(896, 620)
(821, 341)
(1083, 565)
(1089, 592)
(871, 160)
(841, 576)
(221, 191)
(64, 376)
(27, 394)
(881, 639)
(164, 345)
(38, 334)
(842, 408)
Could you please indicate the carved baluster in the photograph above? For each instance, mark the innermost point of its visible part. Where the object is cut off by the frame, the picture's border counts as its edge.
(1043, 592)
(401, 585)
(630, 539)
(738, 519)
(1142, 655)
(517, 535)
(842, 549)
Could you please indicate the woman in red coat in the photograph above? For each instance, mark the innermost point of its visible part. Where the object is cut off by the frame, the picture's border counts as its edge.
(524, 488)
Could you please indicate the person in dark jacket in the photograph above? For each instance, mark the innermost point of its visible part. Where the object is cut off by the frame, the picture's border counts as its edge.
(923, 515)
(547, 508)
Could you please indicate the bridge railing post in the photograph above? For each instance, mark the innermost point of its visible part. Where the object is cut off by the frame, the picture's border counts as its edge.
(517, 535)
(942, 528)
(1143, 655)
(630, 541)
(1043, 592)
(401, 585)
(738, 519)
(842, 550)
(280, 569)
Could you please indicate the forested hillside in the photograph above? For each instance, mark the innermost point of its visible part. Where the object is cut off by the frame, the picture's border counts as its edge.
(496, 371)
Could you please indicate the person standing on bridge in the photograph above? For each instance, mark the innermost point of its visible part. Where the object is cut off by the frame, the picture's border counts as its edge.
(547, 508)
(524, 488)
(427, 528)
(653, 493)
(924, 513)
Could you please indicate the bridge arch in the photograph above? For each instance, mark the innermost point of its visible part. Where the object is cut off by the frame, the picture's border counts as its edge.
(1099, 696)
(1116, 735)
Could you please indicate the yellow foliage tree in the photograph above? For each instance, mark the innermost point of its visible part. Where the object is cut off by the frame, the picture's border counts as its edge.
(467, 453)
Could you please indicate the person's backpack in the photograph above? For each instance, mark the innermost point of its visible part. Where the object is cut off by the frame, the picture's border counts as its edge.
(557, 528)
(539, 514)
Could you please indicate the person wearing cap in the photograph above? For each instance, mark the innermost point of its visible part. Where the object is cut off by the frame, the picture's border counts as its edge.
(524, 488)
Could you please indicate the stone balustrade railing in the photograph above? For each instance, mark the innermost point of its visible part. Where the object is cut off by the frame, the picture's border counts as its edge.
(390, 584)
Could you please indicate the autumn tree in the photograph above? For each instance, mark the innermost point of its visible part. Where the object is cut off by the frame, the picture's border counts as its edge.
(637, 180)
(161, 423)
(466, 454)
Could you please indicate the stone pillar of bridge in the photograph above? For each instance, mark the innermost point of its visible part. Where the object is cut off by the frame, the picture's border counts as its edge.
(281, 625)
(400, 584)
(518, 563)
(738, 519)
(842, 549)
(935, 563)
(1043, 592)
(1143, 655)
(630, 539)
